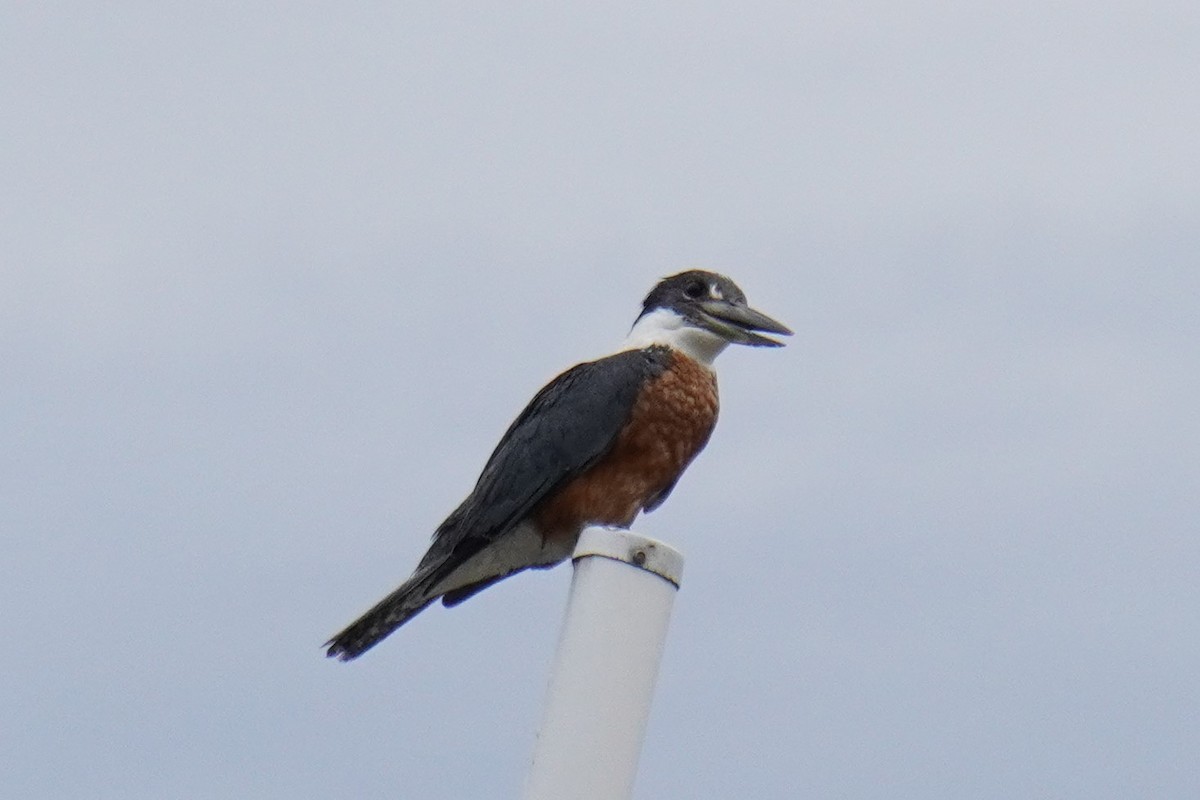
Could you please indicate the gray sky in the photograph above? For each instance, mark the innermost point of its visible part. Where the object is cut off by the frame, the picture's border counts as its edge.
(275, 278)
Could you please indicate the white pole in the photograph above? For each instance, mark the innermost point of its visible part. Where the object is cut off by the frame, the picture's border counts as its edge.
(603, 677)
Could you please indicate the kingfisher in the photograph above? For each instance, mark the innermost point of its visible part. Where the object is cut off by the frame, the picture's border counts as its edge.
(599, 444)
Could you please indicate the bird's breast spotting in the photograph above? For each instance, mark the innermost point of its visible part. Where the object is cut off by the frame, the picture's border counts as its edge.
(668, 425)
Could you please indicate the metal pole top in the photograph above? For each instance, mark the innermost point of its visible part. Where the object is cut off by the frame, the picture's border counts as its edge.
(602, 682)
(639, 551)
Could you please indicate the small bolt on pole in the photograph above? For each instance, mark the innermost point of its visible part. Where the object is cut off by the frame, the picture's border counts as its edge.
(602, 681)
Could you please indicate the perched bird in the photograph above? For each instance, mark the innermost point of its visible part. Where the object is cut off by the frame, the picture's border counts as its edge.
(601, 442)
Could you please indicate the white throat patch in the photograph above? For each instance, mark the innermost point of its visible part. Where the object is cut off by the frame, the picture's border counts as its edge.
(665, 327)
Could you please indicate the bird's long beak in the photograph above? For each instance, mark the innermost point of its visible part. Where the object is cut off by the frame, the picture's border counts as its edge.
(736, 323)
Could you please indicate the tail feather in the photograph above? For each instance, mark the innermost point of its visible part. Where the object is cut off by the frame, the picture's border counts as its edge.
(455, 596)
(453, 573)
(388, 614)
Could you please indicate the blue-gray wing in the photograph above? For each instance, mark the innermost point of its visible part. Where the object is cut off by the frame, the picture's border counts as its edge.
(567, 427)
(564, 430)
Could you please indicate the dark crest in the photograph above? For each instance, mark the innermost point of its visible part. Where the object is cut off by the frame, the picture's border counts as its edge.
(687, 288)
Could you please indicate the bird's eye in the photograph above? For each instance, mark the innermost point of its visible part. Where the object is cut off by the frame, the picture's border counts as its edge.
(695, 290)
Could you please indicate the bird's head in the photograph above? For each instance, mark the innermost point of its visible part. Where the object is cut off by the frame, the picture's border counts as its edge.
(700, 313)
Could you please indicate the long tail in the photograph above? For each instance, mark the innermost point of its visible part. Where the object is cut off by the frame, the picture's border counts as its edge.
(388, 614)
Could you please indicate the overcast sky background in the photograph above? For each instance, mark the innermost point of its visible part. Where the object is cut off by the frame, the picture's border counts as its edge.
(277, 276)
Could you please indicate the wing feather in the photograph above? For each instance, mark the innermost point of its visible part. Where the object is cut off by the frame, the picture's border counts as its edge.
(567, 427)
